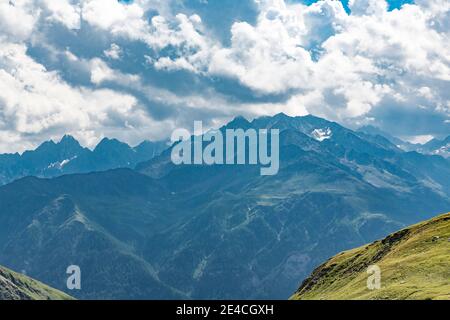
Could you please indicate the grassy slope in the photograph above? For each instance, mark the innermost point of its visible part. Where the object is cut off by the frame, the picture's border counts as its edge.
(414, 265)
(15, 286)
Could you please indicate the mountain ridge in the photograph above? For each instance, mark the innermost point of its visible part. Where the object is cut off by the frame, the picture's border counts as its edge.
(52, 159)
(414, 263)
(220, 232)
(432, 147)
(15, 286)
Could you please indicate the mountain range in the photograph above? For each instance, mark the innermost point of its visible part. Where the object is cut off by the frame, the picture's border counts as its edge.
(438, 147)
(413, 263)
(67, 156)
(432, 147)
(220, 232)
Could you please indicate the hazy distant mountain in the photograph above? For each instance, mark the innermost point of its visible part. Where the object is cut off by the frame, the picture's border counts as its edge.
(52, 159)
(414, 264)
(437, 147)
(433, 147)
(404, 145)
(220, 231)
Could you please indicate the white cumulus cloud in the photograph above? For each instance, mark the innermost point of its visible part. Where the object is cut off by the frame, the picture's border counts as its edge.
(37, 102)
(355, 68)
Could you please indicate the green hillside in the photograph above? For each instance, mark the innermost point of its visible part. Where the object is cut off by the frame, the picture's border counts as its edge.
(15, 286)
(414, 263)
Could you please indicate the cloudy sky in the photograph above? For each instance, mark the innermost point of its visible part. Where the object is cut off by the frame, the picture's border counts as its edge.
(136, 70)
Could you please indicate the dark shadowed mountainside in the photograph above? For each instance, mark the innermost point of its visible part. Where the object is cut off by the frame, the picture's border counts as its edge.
(226, 232)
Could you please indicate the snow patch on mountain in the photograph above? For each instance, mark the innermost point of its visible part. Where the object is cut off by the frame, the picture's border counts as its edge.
(322, 134)
(443, 151)
(60, 165)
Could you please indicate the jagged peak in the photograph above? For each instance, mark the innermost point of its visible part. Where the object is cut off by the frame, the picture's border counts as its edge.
(68, 138)
(44, 145)
(238, 122)
(282, 115)
(65, 140)
(239, 119)
(110, 142)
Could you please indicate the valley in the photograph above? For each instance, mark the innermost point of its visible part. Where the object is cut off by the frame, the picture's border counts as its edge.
(166, 231)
